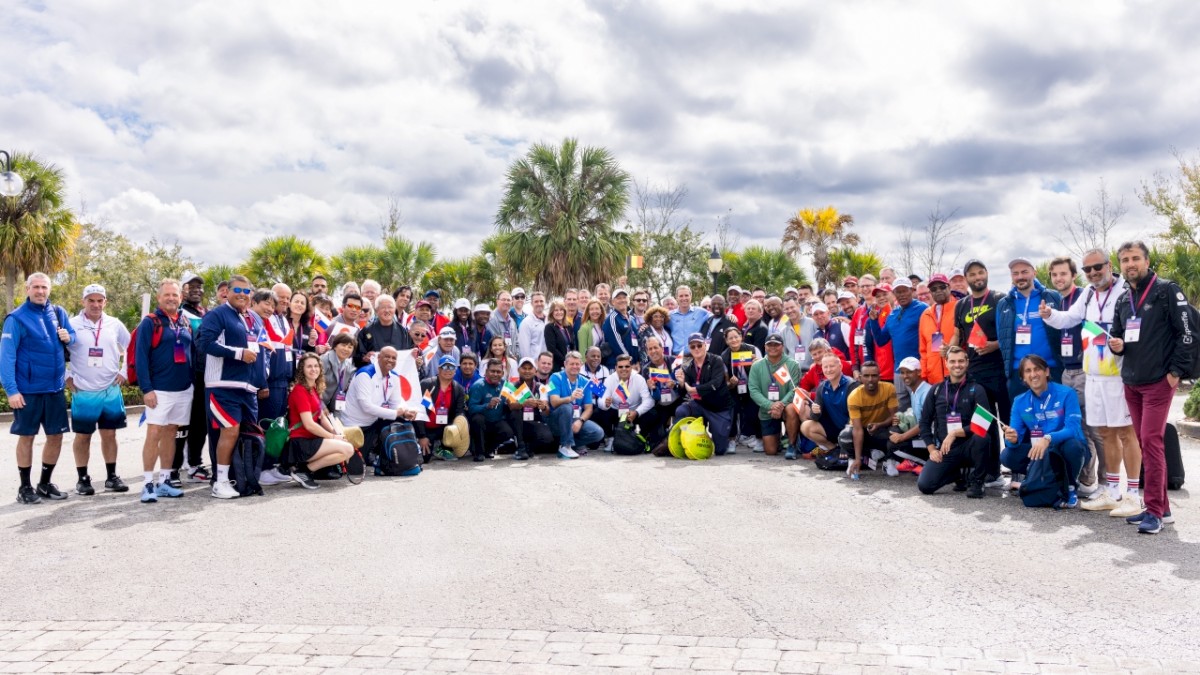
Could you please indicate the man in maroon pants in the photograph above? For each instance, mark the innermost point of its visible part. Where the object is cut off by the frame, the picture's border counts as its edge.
(1152, 333)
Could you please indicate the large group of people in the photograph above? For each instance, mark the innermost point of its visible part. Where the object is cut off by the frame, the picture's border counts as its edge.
(1061, 393)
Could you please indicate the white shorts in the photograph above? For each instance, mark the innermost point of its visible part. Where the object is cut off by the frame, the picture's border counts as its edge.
(1104, 400)
(174, 407)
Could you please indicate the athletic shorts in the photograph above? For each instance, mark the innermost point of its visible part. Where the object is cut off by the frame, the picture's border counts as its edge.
(771, 426)
(91, 409)
(300, 450)
(174, 408)
(1104, 402)
(230, 407)
(42, 411)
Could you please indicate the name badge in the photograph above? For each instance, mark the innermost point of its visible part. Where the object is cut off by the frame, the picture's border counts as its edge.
(442, 417)
(1133, 330)
(860, 337)
(180, 353)
(95, 357)
(575, 411)
(1024, 335)
(773, 392)
(742, 388)
(953, 423)
(287, 354)
(1068, 347)
(799, 352)
(527, 414)
(339, 402)
(634, 338)
(622, 412)
(666, 397)
(507, 339)
(1036, 433)
(936, 341)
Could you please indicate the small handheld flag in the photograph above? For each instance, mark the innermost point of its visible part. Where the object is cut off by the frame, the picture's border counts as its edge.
(621, 394)
(1089, 332)
(799, 397)
(660, 375)
(427, 400)
(320, 320)
(742, 359)
(981, 421)
(782, 376)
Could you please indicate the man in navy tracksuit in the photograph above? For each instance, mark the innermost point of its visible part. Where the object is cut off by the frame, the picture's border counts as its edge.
(33, 370)
(229, 337)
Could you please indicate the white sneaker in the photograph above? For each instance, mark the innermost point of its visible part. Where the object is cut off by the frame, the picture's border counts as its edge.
(567, 452)
(889, 467)
(269, 477)
(280, 476)
(223, 489)
(608, 442)
(1100, 502)
(1000, 482)
(1089, 490)
(754, 444)
(1129, 505)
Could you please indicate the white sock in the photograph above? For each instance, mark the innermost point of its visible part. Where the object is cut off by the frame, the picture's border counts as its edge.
(148, 477)
(223, 472)
(164, 475)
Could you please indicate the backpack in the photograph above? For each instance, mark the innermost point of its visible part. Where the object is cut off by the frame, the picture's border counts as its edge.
(627, 441)
(249, 456)
(399, 454)
(131, 350)
(1190, 340)
(1046, 483)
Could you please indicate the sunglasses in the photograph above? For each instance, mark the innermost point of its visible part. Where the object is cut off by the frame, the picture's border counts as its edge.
(448, 366)
(349, 306)
(418, 336)
(241, 291)
(1094, 268)
(518, 297)
(696, 345)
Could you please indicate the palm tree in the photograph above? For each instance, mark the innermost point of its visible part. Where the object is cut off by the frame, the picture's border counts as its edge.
(814, 232)
(36, 231)
(770, 268)
(490, 271)
(453, 278)
(284, 259)
(355, 263)
(214, 275)
(848, 261)
(404, 262)
(558, 214)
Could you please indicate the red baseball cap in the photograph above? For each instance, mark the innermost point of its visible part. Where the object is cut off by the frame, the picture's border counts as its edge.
(883, 288)
(850, 280)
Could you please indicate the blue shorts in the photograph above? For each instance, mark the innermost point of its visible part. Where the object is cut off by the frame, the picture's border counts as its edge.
(771, 426)
(230, 407)
(91, 409)
(45, 411)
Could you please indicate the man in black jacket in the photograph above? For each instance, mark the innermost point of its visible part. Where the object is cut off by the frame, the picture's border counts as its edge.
(384, 331)
(706, 391)
(714, 326)
(1151, 330)
(946, 430)
(756, 326)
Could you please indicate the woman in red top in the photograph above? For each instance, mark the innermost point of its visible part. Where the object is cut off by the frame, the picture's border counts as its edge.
(316, 439)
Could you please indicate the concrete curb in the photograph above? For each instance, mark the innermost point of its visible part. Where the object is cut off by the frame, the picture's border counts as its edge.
(129, 410)
(1188, 428)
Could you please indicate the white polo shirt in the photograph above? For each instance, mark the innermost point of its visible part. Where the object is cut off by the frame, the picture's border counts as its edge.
(98, 353)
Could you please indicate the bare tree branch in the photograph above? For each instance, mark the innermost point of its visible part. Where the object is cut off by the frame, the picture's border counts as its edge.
(940, 231)
(1086, 231)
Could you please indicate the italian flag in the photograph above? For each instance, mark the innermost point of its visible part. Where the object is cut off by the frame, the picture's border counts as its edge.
(1090, 332)
(981, 421)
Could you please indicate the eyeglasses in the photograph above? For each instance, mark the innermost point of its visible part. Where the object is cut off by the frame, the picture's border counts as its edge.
(241, 291)
(697, 345)
(1094, 268)
(418, 336)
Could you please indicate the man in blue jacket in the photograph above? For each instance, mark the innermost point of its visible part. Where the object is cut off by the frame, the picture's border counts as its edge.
(903, 330)
(1020, 329)
(1046, 421)
(33, 370)
(619, 331)
(488, 415)
(163, 356)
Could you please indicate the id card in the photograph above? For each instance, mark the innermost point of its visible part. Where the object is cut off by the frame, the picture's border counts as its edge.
(507, 339)
(287, 354)
(936, 341)
(666, 397)
(575, 411)
(1024, 335)
(742, 388)
(634, 340)
(95, 357)
(953, 423)
(1068, 347)
(180, 353)
(799, 352)
(622, 412)
(860, 337)
(527, 414)
(1133, 330)
(773, 392)
(339, 402)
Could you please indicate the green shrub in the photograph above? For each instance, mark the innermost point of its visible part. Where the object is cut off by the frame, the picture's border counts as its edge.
(1191, 407)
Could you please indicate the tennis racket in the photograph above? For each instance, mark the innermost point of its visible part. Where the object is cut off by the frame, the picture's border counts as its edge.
(355, 468)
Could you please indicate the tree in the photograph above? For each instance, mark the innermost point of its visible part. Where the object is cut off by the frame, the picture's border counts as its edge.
(36, 230)
(771, 268)
(284, 259)
(672, 252)
(847, 261)
(908, 249)
(453, 278)
(558, 214)
(1178, 201)
(490, 271)
(390, 226)
(1087, 231)
(355, 263)
(404, 262)
(213, 276)
(1180, 264)
(940, 231)
(814, 232)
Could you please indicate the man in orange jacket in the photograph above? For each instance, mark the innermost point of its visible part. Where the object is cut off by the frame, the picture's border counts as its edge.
(937, 326)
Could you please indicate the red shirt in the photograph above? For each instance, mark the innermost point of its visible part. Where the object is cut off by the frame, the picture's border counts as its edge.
(815, 376)
(302, 400)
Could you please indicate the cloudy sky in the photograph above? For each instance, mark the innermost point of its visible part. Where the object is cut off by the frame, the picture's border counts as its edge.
(220, 123)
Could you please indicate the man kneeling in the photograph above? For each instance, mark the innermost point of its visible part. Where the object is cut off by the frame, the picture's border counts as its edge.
(954, 449)
(1045, 442)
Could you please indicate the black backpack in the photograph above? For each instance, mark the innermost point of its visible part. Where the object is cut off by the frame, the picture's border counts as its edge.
(399, 454)
(249, 457)
(627, 441)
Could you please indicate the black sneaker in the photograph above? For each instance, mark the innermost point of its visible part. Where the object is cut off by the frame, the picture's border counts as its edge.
(960, 486)
(27, 495)
(478, 458)
(174, 481)
(84, 487)
(521, 454)
(975, 491)
(306, 481)
(115, 484)
(355, 466)
(50, 491)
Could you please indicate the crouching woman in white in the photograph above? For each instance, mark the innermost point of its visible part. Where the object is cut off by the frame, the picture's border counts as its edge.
(316, 440)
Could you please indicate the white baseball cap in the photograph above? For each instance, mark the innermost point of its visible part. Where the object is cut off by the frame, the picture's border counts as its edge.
(482, 307)
(462, 303)
(94, 289)
(819, 307)
(517, 291)
(909, 363)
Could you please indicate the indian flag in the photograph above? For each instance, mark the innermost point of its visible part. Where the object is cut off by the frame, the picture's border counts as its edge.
(521, 394)
(981, 421)
(508, 390)
(1090, 332)
(742, 359)
(782, 376)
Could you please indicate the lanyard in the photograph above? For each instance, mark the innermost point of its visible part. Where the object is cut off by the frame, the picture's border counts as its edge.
(954, 404)
(1107, 293)
(342, 374)
(937, 311)
(1142, 299)
(1043, 407)
(1066, 302)
(386, 379)
(96, 331)
(1025, 312)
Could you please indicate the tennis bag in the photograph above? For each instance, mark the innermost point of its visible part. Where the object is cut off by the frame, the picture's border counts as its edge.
(837, 459)
(627, 441)
(1046, 484)
(1174, 458)
(399, 455)
(249, 456)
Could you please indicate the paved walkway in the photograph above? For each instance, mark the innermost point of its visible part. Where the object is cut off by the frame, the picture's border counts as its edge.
(247, 649)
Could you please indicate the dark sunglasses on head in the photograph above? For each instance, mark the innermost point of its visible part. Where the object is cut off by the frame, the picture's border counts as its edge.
(242, 291)
(1094, 268)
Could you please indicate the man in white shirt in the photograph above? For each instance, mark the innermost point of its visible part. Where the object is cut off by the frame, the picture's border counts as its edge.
(95, 375)
(532, 332)
(373, 400)
(631, 401)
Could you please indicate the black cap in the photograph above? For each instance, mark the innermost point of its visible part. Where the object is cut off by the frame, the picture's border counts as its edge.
(774, 338)
(973, 262)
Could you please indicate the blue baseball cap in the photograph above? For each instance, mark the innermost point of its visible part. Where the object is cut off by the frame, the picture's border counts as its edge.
(447, 360)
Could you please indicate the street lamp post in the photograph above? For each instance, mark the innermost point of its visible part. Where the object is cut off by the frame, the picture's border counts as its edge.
(11, 184)
(715, 264)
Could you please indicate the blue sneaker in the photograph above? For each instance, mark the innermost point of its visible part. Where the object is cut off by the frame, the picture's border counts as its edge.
(790, 454)
(1072, 501)
(1167, 519)
(167, 490)
(149, 495)
(1151, 524)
